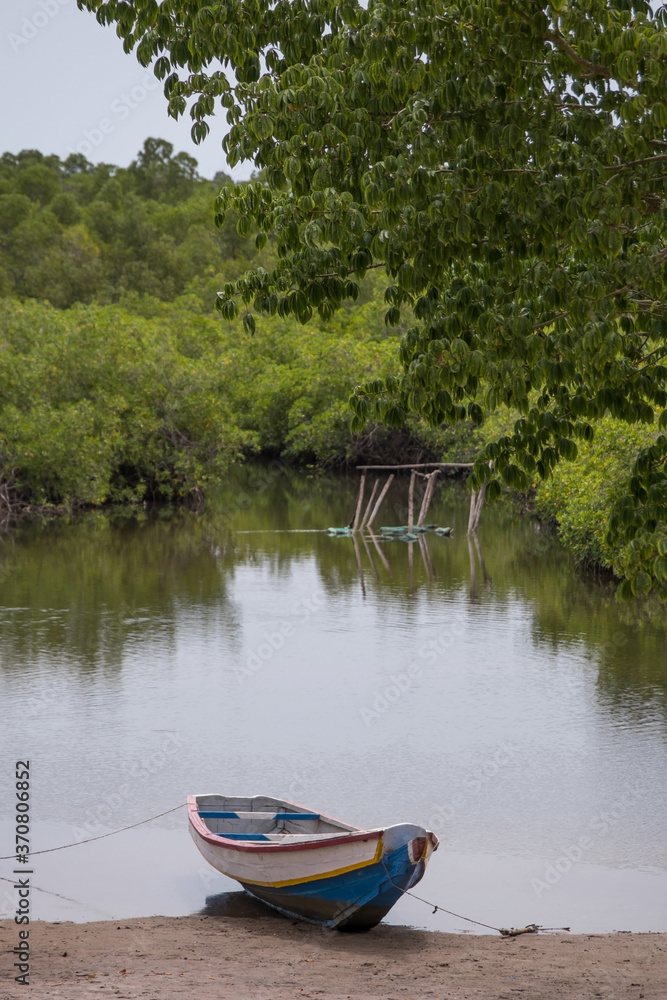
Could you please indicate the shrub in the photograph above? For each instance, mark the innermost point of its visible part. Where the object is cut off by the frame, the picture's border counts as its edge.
(581, 495)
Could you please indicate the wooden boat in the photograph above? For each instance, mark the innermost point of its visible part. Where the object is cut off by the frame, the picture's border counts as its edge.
(307, 865)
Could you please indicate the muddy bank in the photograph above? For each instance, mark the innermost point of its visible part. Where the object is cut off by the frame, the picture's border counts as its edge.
(271, 958)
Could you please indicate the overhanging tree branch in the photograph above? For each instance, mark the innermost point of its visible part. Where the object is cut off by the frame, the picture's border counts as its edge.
(592, 69)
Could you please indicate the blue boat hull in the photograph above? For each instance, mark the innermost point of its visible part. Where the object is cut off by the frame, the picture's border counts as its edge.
(354, 900)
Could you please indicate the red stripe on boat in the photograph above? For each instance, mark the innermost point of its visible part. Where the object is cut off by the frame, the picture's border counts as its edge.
(260, 846)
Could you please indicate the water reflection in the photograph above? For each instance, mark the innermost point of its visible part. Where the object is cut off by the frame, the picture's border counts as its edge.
(85, 591)
(474, 547)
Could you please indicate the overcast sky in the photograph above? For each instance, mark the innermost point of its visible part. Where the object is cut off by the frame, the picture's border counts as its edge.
(68, 86)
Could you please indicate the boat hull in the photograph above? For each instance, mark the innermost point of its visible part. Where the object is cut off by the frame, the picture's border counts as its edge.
(354, 900)
(344, 877)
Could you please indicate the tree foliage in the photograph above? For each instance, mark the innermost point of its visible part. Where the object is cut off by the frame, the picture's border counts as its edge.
(503, 162)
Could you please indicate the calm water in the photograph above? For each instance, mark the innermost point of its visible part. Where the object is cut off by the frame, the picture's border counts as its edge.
(515, 709)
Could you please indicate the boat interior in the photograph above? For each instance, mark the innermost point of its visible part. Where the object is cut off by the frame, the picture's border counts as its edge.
(262, 818)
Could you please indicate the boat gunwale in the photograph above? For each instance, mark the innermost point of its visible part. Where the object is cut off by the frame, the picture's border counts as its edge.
(257, 847)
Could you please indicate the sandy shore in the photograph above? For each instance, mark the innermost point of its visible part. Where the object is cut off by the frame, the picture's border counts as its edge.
(271, 958)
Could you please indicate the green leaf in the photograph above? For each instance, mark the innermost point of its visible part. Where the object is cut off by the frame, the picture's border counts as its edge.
(263, 127)
(641, 583)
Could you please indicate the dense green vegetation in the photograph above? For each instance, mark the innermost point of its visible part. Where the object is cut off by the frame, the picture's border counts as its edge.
(98, 403)
(582, 496)
(119, 382)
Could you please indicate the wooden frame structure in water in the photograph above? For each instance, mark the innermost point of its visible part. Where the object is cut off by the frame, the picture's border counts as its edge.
(358, 523)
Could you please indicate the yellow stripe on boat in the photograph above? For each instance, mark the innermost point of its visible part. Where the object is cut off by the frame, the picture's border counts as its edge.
(314, 878)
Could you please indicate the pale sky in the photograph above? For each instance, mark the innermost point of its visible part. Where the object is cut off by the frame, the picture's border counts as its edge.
(68, 86)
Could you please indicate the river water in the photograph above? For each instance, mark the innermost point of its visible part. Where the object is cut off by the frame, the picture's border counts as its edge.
(511, 706)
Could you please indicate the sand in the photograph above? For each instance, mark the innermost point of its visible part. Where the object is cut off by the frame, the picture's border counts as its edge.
(272, 958)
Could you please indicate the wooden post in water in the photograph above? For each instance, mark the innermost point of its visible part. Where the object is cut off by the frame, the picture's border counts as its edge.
(476, 504)
(430, 486)
(360, 497)
(379, 500)
(364, 519)
(411, 501)
(472, 524)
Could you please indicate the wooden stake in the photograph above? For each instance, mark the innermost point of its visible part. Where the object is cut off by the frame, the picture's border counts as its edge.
(379, 500)
(411, 501)
(476, 504)
(425, 499)
(369, 505)
(411, 579)
(471, 515)
(360, 497)
(430, 486)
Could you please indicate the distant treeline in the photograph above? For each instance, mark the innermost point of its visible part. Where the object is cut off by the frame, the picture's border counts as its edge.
(71, 231)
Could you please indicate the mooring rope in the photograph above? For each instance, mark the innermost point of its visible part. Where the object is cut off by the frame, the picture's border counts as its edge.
(101, 836)
(505, 931)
